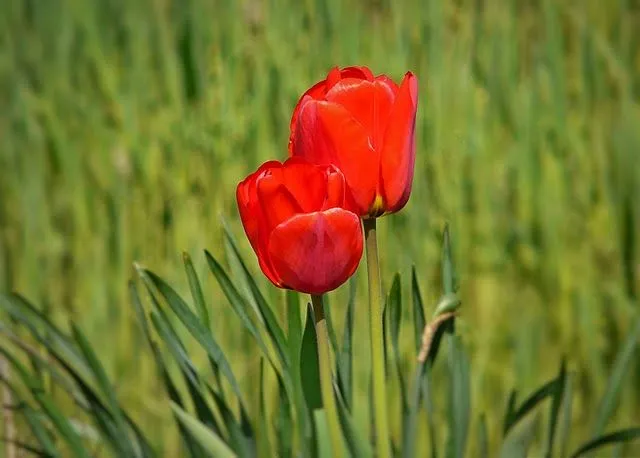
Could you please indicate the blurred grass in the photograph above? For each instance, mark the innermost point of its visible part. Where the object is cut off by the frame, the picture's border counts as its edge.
(125, 126)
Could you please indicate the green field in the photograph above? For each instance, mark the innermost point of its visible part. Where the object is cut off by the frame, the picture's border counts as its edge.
(126, 125)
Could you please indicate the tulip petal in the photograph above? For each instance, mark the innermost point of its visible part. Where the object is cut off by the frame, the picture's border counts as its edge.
(397, 157)
(319, 90)
(277, 203)
(307, 183)
(317, 252)
(368, 102)
(253, 218)
(335, 196)
(316, 92)
(328, 134)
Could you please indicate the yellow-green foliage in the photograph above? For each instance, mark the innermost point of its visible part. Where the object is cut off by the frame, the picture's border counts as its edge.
(126, 124)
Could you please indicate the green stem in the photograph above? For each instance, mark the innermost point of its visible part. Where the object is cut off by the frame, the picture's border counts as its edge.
(381, 423)
(326, 383)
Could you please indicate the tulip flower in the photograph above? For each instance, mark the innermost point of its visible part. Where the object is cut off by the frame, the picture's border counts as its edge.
(364, 125)
(297, 218)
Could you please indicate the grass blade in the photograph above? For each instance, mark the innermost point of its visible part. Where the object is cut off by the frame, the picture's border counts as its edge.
(322, 433)
(519, 438)
(309, 368)
(285, 424)
(295, 350)
(197, 329)
(187, 368)
(273, 328)
(207, 439)
(616, 437)
(565, 425)
(239, 305)
(357, 446)
(124, 443)
(459, 398)
(58, 419)
(533, 401)
(419, 319)
(345, 358)
(483, 438)
(265, 446)
(556, 404)
(621, 366)
(196, 290)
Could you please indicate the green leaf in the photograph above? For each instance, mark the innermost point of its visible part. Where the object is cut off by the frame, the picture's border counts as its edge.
(161, 368)
(295, 348)
(139, 311)
(121, 441)
(459, 398)
(483, 438)
(519, 438)
(565, 425)
(187, 368)
(57, 418)
(448, 303)
(309, 368)
(548, 389)
(430, 409)
(394, 306)
(199, 332)
(285, 423)
(556, 404)
(39, 430)
(419, 319)
(323, 443)
(345, 357)
(22, 311)
(239, 305)
(266, 312)
(624, 435)
(621, 366)
(358, 447)
(331, 330)
(410, 424)
(264, 444)
(241, 436)
(509, 416)
(448, 272)
(196, 290)
(294, 323)
(208, 440)
(87, 398)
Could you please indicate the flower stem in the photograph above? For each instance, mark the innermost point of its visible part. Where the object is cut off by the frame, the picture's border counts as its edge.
(381, 424)
(326, 383)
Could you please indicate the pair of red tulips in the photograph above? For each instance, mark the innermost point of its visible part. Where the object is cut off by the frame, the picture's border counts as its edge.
(352, 155)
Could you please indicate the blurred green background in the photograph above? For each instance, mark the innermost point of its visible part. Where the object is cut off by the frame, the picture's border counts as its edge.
(126, 124)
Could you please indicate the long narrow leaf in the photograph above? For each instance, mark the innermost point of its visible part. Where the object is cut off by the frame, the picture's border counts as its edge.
(208, 440)
(460, 398)
(58, 419)
(621, 366)
(196, 290)
(273, 328)
(556, 404)
(239, 305)
(202, 335)
(345, 358)
(419, 320)
(616, 437)
(105, 386)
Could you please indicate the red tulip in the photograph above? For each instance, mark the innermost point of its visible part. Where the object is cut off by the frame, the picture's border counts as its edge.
(295, 218)
(364, 125)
